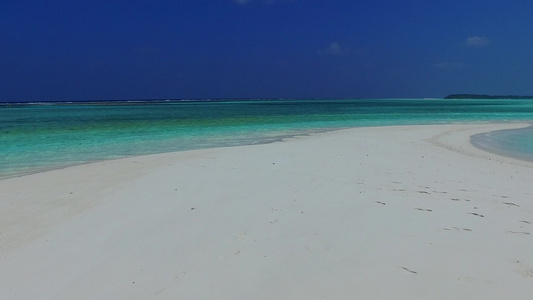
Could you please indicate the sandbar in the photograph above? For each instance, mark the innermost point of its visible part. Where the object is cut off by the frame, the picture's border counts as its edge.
(400, 212)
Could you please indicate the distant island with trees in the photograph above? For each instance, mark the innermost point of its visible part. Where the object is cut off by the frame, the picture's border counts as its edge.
(480, 96)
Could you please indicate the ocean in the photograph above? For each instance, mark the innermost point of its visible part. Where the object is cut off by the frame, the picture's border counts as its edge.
(41, 136)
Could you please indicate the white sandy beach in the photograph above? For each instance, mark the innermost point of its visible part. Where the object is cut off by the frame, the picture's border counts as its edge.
(410, 212)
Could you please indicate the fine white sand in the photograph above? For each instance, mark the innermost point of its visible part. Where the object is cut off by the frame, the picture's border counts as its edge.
(410, 212)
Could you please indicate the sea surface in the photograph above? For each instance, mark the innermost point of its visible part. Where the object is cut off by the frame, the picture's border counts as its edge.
(41, 136)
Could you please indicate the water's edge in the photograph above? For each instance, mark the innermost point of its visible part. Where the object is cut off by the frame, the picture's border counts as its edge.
(274, 139)
(502, 142)
(483, 141)
(36, 138)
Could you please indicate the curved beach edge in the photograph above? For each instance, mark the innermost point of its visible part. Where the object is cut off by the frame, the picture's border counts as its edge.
(462, 140)
(485, 141)
(403, 212)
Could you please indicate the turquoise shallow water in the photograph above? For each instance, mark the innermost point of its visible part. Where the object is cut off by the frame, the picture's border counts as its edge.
(42, 136)
(516, 143)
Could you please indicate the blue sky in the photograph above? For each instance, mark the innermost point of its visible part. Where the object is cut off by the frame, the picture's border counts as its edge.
(83, 50)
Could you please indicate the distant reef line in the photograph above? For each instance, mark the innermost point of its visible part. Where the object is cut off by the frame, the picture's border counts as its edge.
(481, 96)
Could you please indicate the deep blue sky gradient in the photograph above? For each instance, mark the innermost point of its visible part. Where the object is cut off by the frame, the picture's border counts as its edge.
(98, 50)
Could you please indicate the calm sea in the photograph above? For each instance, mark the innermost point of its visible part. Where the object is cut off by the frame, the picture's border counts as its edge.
(36, 137)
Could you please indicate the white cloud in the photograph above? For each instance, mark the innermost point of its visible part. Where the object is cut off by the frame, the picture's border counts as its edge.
(335, 49)
(448, 65)
(241, 2)
(477, 41)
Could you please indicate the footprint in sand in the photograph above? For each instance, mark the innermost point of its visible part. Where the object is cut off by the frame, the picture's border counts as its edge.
(423, 209)
(528, 273)
(477, 215)
(457, 199)
(524, 270)
(408, 270)
(458, 229)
